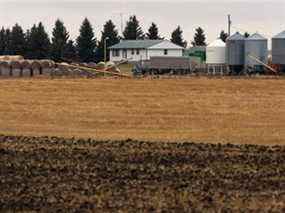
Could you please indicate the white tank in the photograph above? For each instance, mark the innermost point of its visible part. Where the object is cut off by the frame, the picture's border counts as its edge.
(216, 52)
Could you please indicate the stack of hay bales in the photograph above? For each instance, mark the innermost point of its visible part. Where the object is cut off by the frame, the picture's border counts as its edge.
(11, 58)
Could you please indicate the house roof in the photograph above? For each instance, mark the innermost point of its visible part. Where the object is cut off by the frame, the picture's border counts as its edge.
(135, 44)
(280, 35)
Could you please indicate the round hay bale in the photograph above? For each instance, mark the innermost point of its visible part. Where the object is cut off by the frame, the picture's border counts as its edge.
(26, 68)
(36, 68)
(5, 68)
(16, 68)
(47, 66)
(101, 65)
(92, 64)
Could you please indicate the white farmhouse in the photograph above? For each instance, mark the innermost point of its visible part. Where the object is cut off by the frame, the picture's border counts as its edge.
(141, 50)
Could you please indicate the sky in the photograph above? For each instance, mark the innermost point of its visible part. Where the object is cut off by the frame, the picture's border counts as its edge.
(265, 17)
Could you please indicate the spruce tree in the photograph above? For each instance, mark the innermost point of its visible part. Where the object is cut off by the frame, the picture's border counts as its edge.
(177, 38)
(246, 34)
(111, 33)
(223, 36)
(18, 42)
(2, 41)
(59, 41)
(38, 43)
(199, 38)
(86, 42)
(7, 43)
(133, 31)
(153, 32)
(70, 53)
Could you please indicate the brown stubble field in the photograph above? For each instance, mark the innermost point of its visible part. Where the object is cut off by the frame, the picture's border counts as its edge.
(243, 111)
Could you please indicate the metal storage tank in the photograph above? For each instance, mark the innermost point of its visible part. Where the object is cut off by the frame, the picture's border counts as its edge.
(216, 52)
(256, 48)
(235, 52)
(278, 50)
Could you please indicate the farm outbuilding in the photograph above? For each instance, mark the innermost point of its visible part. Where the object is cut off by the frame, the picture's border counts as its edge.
(256, 51)
(236, 52)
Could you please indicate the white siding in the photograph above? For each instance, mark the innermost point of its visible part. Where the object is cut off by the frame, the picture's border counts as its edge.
(132, 57)
(160, 52)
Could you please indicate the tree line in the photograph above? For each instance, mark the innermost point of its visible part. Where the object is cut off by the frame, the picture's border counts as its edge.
(35, 43)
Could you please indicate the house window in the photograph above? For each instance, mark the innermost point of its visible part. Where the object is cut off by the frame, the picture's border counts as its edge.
(125, 54)
(138, 51)
(116, 53)
(165, 52)
(133, 51)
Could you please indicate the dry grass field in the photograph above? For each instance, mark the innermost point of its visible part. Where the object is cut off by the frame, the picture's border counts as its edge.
(241, 111)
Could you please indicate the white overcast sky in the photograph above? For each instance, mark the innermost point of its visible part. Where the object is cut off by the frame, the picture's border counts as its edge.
(265, 17)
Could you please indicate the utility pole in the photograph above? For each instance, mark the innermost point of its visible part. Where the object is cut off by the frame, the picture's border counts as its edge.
(229, 25)
(122, 23)
(105, 49)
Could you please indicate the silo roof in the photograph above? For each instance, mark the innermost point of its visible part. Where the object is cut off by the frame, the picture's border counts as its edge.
(280, 35)
(236, 36)
(217, 43)
(256, 36)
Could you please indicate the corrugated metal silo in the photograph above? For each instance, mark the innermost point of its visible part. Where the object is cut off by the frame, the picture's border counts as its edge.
(256, 48)
(278, 50)
(235, 52)
(216, 52)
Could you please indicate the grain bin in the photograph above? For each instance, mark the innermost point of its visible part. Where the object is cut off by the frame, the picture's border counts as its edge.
(256, 49)
(278, 50)
(235, 52)
(216, 52)
(216, 57)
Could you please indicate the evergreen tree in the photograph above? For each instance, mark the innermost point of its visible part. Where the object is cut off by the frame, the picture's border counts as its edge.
(199, 38)
(7, 43)
(38, 43)
(246, 34)
(223, 36)
(59, 41)
(133, 31)
(2, 40)
(18, 42)
(177, 38)
(86, 42)
(111, 33)
(153, 32)
(70, 53)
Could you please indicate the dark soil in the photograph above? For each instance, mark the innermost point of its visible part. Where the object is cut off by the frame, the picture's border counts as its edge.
(73, 175)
